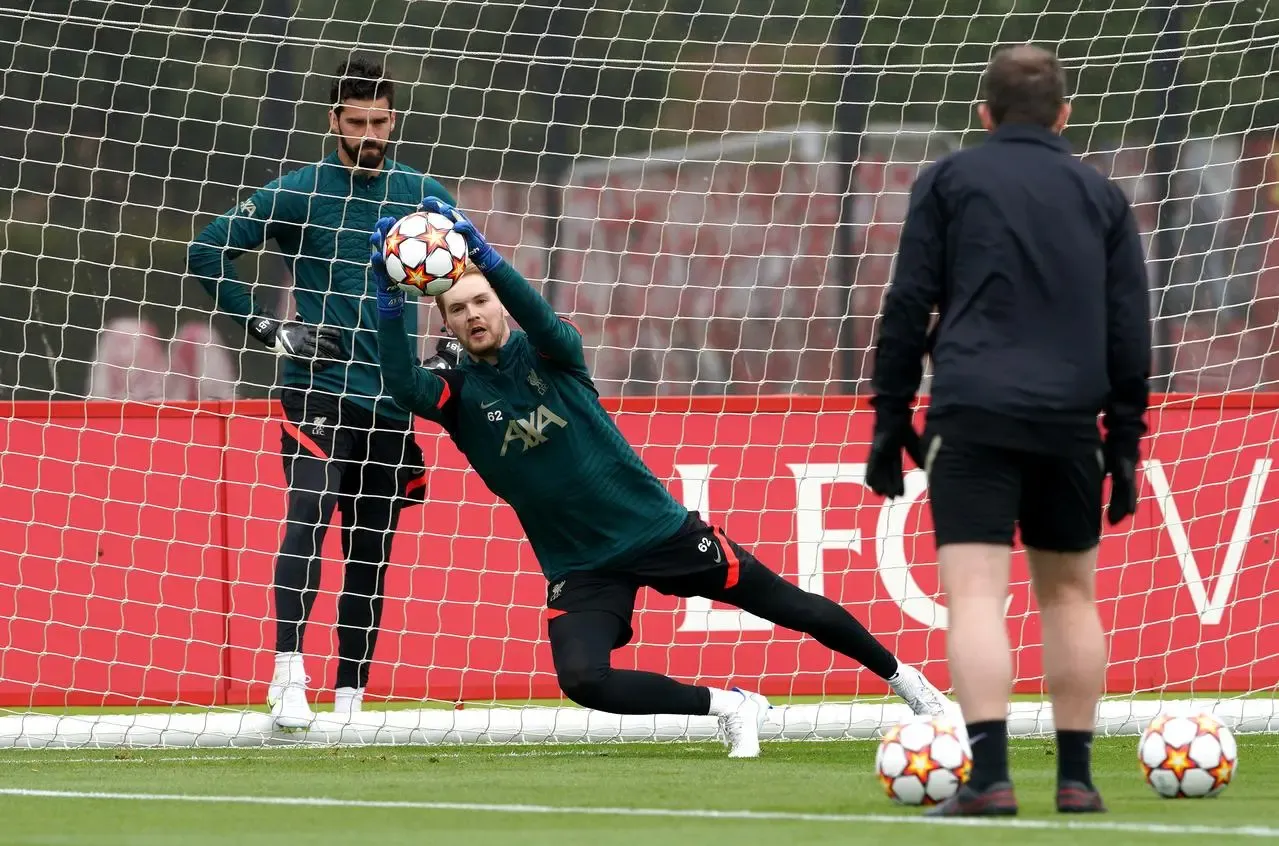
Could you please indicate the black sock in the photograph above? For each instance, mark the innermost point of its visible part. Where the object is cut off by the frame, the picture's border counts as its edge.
(989, 741)
(1074, 756)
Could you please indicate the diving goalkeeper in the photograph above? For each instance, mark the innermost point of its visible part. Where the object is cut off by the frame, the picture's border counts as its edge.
(522, 408)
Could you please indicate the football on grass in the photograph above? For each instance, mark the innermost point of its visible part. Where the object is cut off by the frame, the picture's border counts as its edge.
(923, 761)
(423, 254)
(1188, 757)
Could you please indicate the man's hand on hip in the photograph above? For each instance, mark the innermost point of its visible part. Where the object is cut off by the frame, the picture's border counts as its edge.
(316, 346)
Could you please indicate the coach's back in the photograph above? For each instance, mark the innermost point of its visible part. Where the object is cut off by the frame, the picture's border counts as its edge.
(1028, 232)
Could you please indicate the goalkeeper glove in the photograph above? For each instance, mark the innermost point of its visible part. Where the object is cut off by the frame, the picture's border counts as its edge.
(390, 299)
(316, 346)
(893, 433)
(1120, 457)
(448, 350)
(481, 252)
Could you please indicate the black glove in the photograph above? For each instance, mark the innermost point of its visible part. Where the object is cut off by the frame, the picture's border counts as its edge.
(893, 433)
(448, 350)
(317, 346)
(1120, 457)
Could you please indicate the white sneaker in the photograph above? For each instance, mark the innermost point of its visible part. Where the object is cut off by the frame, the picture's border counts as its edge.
(348, 700)
(739, 729)
(919, 693)
(286, 695)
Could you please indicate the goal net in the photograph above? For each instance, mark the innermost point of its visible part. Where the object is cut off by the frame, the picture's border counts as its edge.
(713, 192)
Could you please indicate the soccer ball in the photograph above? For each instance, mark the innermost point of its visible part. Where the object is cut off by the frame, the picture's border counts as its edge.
(423, 253)
(1187, 757)
(923, 761)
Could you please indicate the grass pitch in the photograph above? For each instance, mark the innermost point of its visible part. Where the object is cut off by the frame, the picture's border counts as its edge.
(643, 794)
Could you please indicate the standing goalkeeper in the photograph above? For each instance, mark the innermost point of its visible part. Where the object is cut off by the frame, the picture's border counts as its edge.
(344, 444)
(1033, 261)
(522, 408)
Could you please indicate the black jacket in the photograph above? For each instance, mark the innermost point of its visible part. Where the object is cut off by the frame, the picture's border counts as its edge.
(1033, 261)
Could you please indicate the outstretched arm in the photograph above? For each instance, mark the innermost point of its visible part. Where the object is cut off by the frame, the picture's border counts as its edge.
(426, 393)
(431, 391)
(550, 334)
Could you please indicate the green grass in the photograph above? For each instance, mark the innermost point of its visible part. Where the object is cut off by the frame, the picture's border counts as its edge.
(818, 780)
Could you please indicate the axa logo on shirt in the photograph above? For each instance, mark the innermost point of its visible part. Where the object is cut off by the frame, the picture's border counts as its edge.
(531, 431)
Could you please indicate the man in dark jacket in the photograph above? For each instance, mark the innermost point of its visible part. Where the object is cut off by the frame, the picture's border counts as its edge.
(1034, 265)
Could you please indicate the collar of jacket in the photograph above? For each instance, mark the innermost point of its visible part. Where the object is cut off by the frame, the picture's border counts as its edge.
(1030, 133)
(348, 174)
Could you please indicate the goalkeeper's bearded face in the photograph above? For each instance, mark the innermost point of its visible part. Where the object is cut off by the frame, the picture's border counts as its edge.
(475, 315)
(363, 129)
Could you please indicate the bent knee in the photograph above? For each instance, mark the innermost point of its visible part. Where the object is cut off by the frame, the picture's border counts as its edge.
(585, 684)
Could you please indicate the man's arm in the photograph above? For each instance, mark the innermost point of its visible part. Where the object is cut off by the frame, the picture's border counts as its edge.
(429, 393)
(908, 306)
(246, 227)
(552, 335)
(1128, 331)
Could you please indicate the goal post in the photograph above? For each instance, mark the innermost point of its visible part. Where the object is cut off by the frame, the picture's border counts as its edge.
(696, 246)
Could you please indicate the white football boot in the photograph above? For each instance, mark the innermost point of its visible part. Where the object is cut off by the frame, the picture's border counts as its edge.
(741, 719)
(919, 693)
(286, 695)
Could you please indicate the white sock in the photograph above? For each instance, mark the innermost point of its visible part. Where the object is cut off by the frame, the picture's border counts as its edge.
(724, 701)
(289, 667)
(347, 700)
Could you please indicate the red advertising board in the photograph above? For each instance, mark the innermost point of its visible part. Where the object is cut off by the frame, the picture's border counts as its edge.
(137, 545)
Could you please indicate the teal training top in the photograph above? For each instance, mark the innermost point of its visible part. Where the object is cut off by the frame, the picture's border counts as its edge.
(533, 428)
(321, 217)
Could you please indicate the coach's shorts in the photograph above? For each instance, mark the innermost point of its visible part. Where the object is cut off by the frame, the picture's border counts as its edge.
(375, 458)
(983, 494)
(698, 560)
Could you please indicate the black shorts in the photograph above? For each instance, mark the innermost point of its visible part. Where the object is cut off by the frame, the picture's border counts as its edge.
(377, 457)
(982, 494)
(698, 560)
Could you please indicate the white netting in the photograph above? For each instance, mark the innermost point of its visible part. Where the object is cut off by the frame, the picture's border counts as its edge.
(679, 173)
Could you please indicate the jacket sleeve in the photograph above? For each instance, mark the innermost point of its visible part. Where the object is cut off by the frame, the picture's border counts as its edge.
(551, 335)
(914, 292)
(432, 394)
(1129, 343)
(246, 227)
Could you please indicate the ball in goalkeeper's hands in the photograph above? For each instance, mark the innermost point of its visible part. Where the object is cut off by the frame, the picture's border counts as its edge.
(423, 254)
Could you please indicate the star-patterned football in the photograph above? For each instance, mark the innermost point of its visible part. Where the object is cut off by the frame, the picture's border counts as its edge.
(424, 255)
(1188, 756)
(923, 761)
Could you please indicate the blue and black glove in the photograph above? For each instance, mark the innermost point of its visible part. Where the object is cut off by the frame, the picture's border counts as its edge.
(480, 251)
(390, 299)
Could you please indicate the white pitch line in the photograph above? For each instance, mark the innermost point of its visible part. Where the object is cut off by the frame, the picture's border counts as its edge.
(670, 813)
(47, 757)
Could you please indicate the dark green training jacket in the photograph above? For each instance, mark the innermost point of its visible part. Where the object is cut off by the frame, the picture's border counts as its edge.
(533, 428)
(321, 217)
